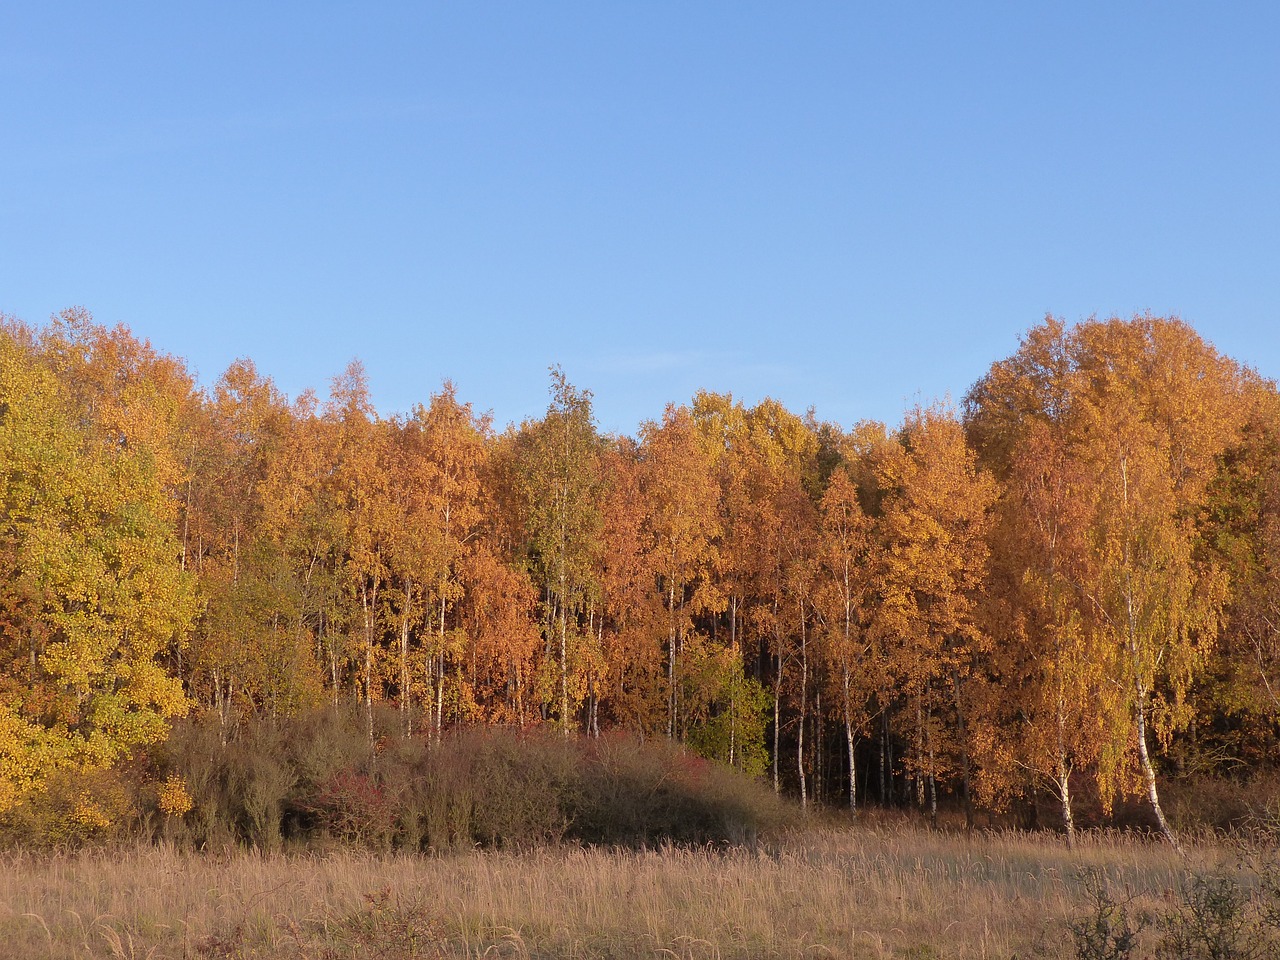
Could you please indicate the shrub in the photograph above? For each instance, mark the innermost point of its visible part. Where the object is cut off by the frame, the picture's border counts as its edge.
(73, 809)
(1107, 929)
(532, 784)
(351, 805)
(643, 794)
(239, 789)
(1220, 916)
(1214, 920)
(1226, 803)
(321, 777)
(173, 798)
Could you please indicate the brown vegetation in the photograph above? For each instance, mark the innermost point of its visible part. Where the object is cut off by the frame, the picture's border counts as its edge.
(884, 891)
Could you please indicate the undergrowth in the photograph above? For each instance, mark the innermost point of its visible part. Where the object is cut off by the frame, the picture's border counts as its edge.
(322, 779)
(1230, 913)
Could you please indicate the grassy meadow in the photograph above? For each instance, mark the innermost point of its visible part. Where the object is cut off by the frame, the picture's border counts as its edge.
(885, 890)
(308, 841)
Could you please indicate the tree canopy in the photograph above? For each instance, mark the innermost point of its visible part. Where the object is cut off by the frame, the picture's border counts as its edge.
(1069, 585)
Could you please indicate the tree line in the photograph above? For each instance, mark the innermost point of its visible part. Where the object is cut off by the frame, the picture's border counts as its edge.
(1067, 584)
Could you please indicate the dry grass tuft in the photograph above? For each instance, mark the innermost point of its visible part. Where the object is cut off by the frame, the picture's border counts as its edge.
(878, 892)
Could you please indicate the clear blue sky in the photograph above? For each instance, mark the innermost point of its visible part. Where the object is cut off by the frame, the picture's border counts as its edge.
(851, 206)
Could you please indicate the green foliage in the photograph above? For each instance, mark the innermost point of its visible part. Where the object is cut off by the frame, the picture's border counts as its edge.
(560, 485)
(734, 731)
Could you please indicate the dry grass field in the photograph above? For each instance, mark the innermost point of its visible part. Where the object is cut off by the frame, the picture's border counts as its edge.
(869, 892)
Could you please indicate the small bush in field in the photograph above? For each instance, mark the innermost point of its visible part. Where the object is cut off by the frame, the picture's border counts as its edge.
(642, 794)
(1246, 802)
(1107, 929)
(1269, 892)
(1212, 922)
(521, 788)
(1219, 916)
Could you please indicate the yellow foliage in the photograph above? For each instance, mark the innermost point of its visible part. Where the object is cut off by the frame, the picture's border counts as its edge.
(95, 564)
(88, 815)
(174, 799)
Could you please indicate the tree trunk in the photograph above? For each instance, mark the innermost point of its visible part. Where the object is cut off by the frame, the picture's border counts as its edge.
(777, 724)
(671, 659)
(853, 770)
(406, 714)
(933, 779)
(820, 759)
(366, 603)
(886, 760)
(920, 777)
(804, 685)
(1149, 775)
(440, 697)
(564, 662)
(1064, 773)
(964, 754)
(1064, 797)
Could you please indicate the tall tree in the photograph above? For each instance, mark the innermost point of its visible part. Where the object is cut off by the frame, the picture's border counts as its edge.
(305, 524)
(935, 524)
(1143, 409)
(359, 478)
(562, 483)
(635, 622)
(95, 593)
(250, 645)
(1158, 406)
(1047, 666)
(848, 569)
(681, 521)
(437, 489)
(1240, 524)
(1046, 677)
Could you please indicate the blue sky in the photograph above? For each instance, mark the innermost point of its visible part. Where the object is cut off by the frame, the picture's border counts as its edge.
(849, 206)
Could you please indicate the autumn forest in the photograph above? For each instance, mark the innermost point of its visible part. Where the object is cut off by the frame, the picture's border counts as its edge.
(1059, 595)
